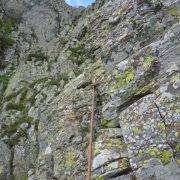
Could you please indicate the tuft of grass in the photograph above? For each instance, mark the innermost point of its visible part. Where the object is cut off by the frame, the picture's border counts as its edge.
(57, 79)
(175, 12)
(38, 55)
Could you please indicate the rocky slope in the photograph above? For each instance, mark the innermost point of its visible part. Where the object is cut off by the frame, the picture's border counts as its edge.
(52, 54)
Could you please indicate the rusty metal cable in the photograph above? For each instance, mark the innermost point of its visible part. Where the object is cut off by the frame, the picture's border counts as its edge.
(90, 151)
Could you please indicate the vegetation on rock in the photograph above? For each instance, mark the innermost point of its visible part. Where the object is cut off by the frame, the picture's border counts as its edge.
(6, 39)
(38, 56)
(77, 54)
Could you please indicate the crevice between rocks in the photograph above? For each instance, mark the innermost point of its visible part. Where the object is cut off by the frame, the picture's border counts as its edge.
(36, 128)
(132, 100)
(11, 163)
(170, 144)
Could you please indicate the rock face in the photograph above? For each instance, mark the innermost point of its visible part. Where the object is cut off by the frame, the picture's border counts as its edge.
(50, 56)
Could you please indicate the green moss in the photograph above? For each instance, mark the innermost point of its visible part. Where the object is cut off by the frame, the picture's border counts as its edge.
(77, 54)
(147, 61)
(13, 106)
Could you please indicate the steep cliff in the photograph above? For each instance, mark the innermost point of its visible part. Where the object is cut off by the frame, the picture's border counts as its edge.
(52, 54)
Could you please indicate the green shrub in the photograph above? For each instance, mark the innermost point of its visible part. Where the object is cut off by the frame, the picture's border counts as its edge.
(77, 54)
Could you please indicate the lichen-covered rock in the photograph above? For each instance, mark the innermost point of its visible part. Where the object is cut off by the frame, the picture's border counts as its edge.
(156, 170)
(5, 158)
(52, 54)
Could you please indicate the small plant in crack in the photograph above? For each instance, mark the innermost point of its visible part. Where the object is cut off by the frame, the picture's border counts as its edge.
(38, 56)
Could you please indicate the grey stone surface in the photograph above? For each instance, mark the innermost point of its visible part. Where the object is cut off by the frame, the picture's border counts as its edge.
(50, 56)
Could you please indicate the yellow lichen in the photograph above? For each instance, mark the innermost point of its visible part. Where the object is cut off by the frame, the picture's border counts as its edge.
(124, 79)
(1, 169)
(96, 148)
(153, 152)
(147, 61)
(106, 123)
(177, 110)
(70, 158)
(136, 130)
(124, 164)
(176, 77)
(175, 11)
(177, 148)
(114, 144)
(113, 165)
(165, 156)
(161, 126)
(100, 177)
(145, 89)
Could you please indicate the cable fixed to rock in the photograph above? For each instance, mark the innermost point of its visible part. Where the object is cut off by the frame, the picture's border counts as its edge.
(90, 151)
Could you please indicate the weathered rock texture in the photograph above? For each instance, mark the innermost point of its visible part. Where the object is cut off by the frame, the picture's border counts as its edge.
(50, 56)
